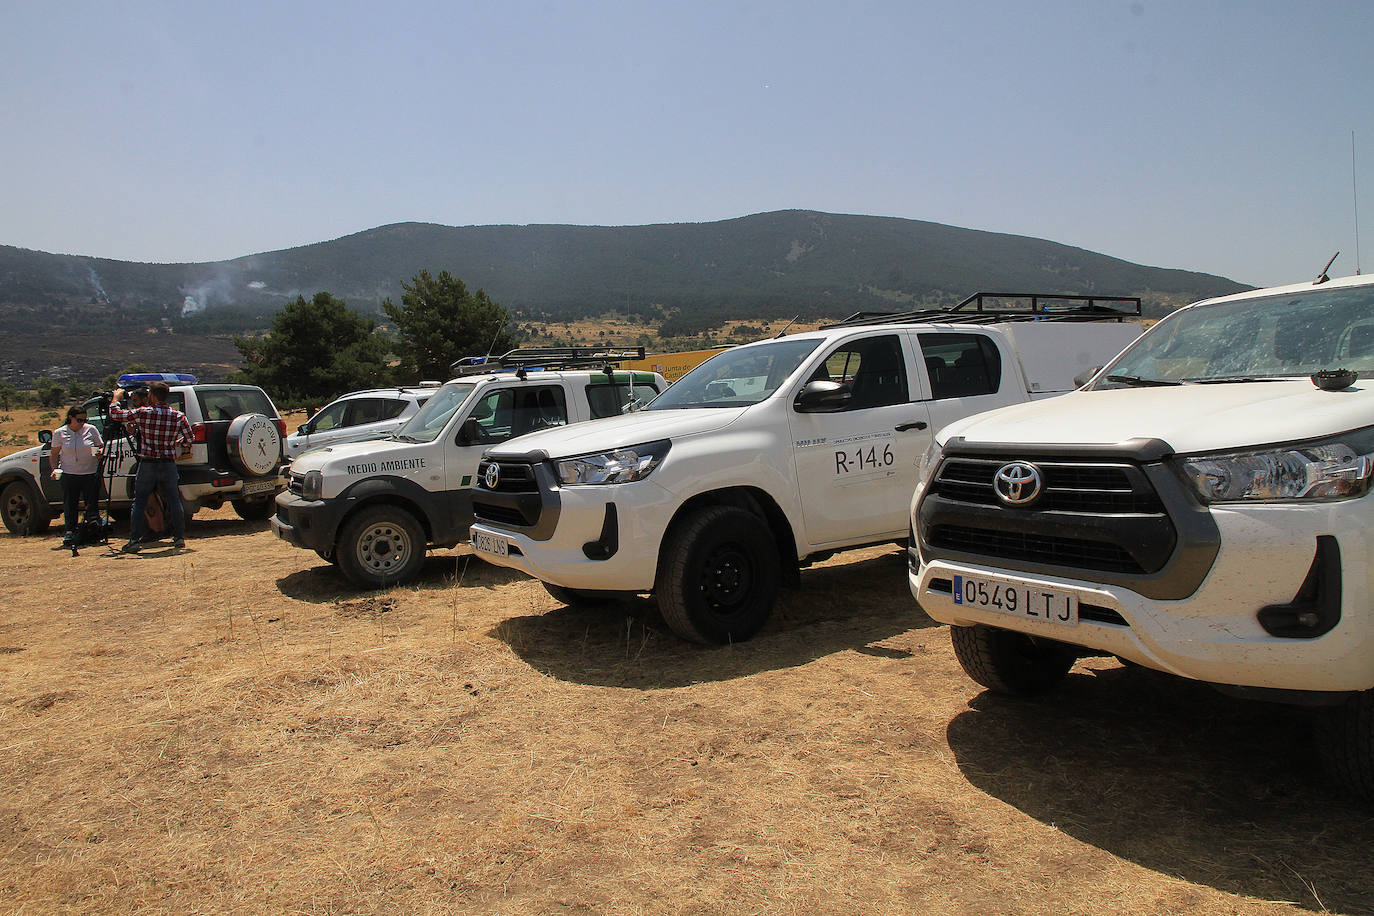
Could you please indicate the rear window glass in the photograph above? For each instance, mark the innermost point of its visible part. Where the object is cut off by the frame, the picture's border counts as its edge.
(227, 402)
(613, 400)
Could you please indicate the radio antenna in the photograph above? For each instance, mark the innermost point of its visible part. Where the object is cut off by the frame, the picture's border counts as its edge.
(1355, 195)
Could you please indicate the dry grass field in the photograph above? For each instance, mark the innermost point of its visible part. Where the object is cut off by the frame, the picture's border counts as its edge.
(232, 729)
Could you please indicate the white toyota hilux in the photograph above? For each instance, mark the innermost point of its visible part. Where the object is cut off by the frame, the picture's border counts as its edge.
(765, 458)
(1201, 508)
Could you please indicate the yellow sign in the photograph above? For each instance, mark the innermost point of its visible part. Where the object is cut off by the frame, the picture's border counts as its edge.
(672, 366)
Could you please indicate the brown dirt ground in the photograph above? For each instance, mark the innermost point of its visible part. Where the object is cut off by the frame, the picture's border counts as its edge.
(233, 729)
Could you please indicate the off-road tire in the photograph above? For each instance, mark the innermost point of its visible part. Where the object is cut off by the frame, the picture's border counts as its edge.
(718, 575)
(1008, 662)
(1345, 740)
(380, 546)
(254, 510)
(22, 509)
(328, 556)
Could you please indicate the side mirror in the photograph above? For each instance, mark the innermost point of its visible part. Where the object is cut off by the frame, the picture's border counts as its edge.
(469, 433)
(45, 437)
(304, 429)
(823, 397)
(1085, 376)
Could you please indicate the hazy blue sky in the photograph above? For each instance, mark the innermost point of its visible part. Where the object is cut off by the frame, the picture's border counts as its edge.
(1212, 136)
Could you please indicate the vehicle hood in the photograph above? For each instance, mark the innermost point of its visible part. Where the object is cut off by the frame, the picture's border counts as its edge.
(22, 458)
(368, 450)
(618, 432)
(1190, 418)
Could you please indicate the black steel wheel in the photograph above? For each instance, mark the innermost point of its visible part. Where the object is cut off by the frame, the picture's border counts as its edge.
(1345, 739)
(718, 575)
(1005, 661)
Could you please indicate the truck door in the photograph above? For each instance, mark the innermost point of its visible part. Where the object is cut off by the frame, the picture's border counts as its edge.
(964, 375)
(499, 414)
(856, 467)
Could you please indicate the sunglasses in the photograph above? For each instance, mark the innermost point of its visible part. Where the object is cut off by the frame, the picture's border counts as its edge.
(79, 419)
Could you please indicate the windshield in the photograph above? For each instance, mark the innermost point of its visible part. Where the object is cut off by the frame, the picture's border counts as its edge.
(431, 419)
(737, 378)
(1287, 336)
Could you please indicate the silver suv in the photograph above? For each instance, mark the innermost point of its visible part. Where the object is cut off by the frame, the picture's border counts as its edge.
(359, 415)
(236, 457)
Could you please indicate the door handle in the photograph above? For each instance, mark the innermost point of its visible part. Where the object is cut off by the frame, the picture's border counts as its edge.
(918, 424)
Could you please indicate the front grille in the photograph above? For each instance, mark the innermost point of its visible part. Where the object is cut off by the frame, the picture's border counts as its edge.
(1093, 514)
(514, 477)
(515, 502)
(1061, 551)
(1104, 488)
(295, 483)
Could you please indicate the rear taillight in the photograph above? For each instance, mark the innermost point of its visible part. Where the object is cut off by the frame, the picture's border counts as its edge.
(281, 426)
(197, 432)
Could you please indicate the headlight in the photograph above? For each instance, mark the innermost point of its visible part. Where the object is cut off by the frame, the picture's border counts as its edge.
(925, 467)
(312, 484)
(621, 465)
(1335, 468)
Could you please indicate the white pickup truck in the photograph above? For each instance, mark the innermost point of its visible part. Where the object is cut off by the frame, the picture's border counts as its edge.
(770, 456)
(1201, 508)
(374, 507)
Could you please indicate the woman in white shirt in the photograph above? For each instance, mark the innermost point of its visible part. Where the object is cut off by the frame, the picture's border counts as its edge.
(75, 458)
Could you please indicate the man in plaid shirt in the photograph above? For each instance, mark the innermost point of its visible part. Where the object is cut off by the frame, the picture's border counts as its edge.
(164, 433)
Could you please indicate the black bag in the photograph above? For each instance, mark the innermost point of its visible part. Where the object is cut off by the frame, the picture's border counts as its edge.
(93, 531)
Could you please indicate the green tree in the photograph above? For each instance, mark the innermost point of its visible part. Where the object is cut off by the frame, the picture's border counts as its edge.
(49, 392)
(9, 395)
(315, 351)
(439, 321)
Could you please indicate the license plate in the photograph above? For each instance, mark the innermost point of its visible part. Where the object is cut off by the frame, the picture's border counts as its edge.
(1017, 599)
(490, 543)
(258, 486)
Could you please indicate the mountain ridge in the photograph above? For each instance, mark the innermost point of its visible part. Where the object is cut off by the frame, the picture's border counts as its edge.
(687, 276)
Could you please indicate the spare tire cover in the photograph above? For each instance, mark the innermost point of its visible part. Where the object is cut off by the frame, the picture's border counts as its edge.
(254, 444)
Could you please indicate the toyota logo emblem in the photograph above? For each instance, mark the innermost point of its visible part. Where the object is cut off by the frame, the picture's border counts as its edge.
(1018, 483)
(493, 476)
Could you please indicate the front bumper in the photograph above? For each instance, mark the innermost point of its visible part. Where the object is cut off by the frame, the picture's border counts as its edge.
(626, 521)
(1214, 634)
(309, 524)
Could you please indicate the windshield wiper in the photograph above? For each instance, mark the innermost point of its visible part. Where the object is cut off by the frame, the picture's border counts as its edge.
(1226, 379)
(1136, 381)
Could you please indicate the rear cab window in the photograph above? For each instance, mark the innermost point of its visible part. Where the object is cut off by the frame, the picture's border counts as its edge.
(961, 365)
(618, 396)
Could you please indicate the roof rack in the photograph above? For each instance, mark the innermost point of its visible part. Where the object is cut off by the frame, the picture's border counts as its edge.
(526, 359)
(1037, 307)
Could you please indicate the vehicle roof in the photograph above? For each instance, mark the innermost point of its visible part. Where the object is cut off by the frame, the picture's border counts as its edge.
(400, 389)
(534, 372)
(1292, 289)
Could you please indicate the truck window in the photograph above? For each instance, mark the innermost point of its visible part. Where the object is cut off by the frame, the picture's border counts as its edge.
(873, 368)
(961, 365)
(509, 412)
(612, 400)
(737, 377)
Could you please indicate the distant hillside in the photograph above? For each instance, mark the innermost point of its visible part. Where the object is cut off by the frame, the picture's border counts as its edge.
(690, 275)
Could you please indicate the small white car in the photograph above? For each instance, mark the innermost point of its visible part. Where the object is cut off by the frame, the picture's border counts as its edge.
(359, 415)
